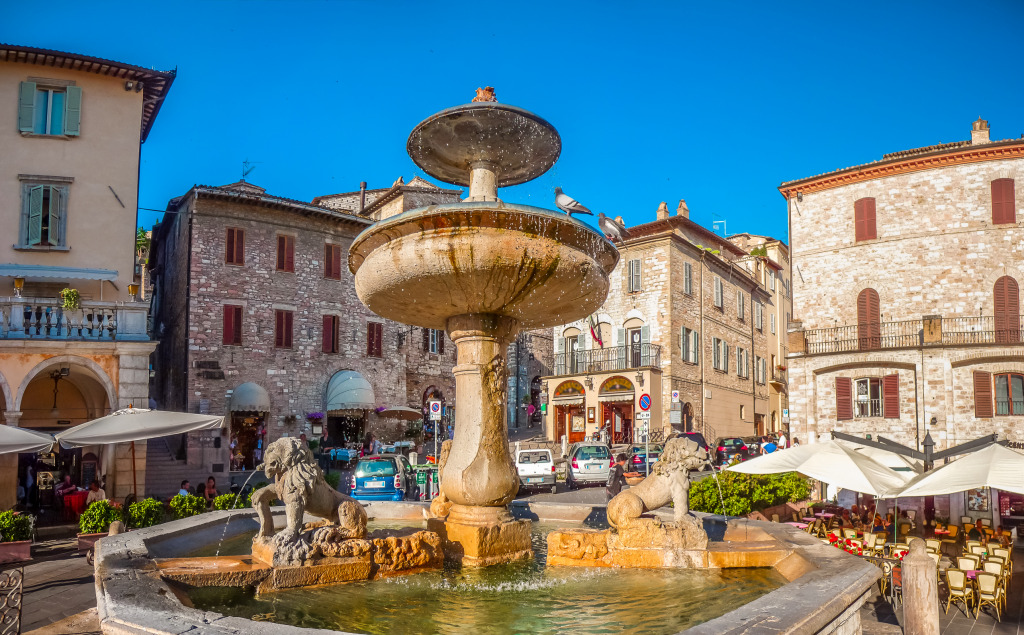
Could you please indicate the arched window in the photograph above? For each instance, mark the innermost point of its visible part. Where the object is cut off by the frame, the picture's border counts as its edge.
(869, 327)
(864, 219)
(1007, 310)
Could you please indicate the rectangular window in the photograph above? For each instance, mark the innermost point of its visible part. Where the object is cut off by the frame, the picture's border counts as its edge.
(332, 261)
(771, 280)
(867, 398)
(44, 215)
(232, 325)
(1009, 394)
(330, 334)
(687, 278)
(759, 316)
(634, 275)
(719, 300)
(720, 352)
(374, 339)
(771, 321)
(740, 304)
(283, 329)
(234, 246)
(691, 346)
(864, 219)
(741, 363)
(286, 253)
(49, 110)
(1003, 206)
(433, 341)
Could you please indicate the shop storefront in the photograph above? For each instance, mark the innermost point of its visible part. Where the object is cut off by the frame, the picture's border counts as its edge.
(617, 396)
(570, 419)
(248, 410)
(348, 400)
(604, 405)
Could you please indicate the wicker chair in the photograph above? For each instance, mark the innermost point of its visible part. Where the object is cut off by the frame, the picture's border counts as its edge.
(998, 570)
(968, 563)
(933, 544)
(989, 592)
(959, 591)
(850, 533)
(1004, 553)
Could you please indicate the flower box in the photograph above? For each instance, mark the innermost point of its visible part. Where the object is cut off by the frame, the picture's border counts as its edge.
(88, 541)
(18, 551)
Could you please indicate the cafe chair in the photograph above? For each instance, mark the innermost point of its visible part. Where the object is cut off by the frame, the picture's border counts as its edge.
(966, 563)
(979, 550)
(933, 544)
(850, 533)
(966, 520)
(1004, 553)
(989, 592)
(775, 518)
(992, 546)
(871, 545)
(959, 591)
(998, 570)
(969, 544)
(796, 517)
(986, 522)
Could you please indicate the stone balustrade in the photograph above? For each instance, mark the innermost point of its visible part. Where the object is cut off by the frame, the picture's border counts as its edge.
(46, 319)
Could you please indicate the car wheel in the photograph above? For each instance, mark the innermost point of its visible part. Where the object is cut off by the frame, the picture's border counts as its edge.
(554, 489)
(570, 482)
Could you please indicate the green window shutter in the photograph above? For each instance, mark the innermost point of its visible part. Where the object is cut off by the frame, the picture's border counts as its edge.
(620, 339)
(35, 215)
(26, 106)
(696, 347)
(73, 111)
(53, 234)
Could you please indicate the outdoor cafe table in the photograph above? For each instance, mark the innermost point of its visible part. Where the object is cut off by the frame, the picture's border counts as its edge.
(824, 515)
(798, 525)
(75, 501)
(810, 519)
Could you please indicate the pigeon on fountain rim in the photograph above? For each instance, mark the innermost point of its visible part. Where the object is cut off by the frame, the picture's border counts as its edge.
(569, 205)
(612, 228)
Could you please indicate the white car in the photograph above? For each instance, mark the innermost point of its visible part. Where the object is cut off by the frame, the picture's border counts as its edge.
(588, 464)
(536, 469)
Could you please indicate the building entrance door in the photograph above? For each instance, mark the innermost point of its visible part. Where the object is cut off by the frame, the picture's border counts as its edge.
(618, 420)
(635, 340)
(246, 429)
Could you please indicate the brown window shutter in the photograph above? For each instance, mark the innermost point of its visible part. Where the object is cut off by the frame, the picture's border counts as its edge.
(891, 396)
(982, 394)
(844, 398)
(328, 261)
(440, 342)
(1003, 205)
(858, 220)
(238, 325)
(289, 253)
(239, 247)
(229, 324)
(336, 260)
(1006, 298)
(229, 246)
(870, 230)
(328, 334)
(288, 329)
(278, 328)
(869, 328)
(426, 340)
(380, 340)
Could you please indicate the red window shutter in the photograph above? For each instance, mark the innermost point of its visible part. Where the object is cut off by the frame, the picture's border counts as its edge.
(289, 253)
(983, 395)
(373, 339)
(239, 247)
(1006, 297)
(870, 230)
(229, 324)
(858, 220)
(229, 246)
(336, 261)
(844, 398)
(282, 246)
(891, 396)
(279, 329)
(328, 273)
(238, 325)
(288, 329)
(328, 334)
(869, 328)
(440, 342)
(426, 340)
(380, 340)
(1003, 206)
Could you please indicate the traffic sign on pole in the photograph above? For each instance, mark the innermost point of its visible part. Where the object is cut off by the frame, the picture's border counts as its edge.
(435, 410)
(645, 402)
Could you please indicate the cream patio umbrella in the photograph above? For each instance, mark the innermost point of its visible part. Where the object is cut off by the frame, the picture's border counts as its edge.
(828, 462)
(994, 466)
(136, 424)
(14, 439)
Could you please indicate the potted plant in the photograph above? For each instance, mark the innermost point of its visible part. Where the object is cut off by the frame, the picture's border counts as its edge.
(71, 298)
(94, 523)
(186, 505)
(145, 513)
(16, 537)
(230, 501)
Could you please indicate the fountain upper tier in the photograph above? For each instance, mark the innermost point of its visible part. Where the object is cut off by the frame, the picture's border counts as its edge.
(538, 267)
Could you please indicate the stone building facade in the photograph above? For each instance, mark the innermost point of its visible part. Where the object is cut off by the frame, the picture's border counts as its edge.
(69, 182)
(258, 318)
(683, 315)
(906, 295)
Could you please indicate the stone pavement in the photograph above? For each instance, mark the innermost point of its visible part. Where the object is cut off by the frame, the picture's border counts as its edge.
(58, 584)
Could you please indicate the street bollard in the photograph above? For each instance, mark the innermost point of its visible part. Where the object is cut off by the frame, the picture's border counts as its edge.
(920, 591)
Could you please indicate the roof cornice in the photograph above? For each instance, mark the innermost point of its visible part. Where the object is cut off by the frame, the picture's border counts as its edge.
(995, 151)
(273, 202)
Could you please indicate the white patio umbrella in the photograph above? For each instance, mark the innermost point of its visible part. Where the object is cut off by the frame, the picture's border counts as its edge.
(14, 439)
(136, 424)
(994, 466)
(831, 463)
(401, 412)
(890, 460)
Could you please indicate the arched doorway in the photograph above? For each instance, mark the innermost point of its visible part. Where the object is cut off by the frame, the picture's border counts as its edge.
(248, 408)
(568, 400)
(1006, 295)
(616, 397)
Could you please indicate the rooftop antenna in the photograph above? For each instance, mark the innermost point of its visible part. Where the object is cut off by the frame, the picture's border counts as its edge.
(716, 223)
(247, 167)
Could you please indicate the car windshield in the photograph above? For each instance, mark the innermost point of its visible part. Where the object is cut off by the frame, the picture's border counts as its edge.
(535, 457)
(591, 452)
(378, 467)
(732, 443)
(641, 449)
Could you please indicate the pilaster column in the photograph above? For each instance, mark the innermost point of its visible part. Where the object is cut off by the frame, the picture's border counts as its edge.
(12, 417)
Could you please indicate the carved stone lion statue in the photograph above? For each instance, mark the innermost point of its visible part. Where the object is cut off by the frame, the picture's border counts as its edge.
(669, 481)
(298, 481)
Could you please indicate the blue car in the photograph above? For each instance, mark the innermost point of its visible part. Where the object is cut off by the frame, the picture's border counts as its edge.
(387, 477)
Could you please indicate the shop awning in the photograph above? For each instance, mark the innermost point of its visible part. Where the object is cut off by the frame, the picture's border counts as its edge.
(249, 397)
(63, 273)
(564, 401)
(348, 390)
(616, 396)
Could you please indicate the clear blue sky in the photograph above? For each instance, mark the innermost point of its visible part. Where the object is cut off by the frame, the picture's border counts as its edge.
(714, 102)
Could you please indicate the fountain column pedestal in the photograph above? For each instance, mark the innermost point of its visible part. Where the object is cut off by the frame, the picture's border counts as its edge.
(479, 477)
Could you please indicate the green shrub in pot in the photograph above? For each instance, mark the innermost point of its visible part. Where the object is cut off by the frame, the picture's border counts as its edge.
(16, 527)
(97, 518)
(145, 513)
(230, 501)
(185, 505)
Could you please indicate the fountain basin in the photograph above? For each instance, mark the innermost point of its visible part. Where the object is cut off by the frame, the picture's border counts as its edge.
(538, 267)
(825, 586)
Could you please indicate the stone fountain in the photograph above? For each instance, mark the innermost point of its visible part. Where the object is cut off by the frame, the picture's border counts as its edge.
(482, 270)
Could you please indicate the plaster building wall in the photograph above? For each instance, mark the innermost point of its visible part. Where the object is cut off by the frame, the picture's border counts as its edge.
(934, 265)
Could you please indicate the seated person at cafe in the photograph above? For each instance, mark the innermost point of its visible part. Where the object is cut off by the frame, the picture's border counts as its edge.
(877, 525)
(210, 492)
(1002, 536)
(185, 489)
(977, 532)
(64, 487)
(96, 493)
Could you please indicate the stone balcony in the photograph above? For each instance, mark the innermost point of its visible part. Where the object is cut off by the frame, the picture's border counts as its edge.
(929, 331)
(46, 319)
(612, 358)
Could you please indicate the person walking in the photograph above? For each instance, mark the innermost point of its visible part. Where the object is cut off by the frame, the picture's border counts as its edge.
(769, 447)
(616, 477)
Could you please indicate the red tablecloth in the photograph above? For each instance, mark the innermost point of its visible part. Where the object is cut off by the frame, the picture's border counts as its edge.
(797, 525)
(75, 501)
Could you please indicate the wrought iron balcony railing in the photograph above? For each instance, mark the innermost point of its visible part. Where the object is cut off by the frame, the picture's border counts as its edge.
(982, 330)
(601, 360)
(46, 319)
(929, 331)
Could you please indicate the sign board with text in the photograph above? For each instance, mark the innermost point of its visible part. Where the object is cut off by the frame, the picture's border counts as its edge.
(435, 410)
(643, 416)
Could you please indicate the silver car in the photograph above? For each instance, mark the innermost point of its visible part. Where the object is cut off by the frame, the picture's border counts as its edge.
(588, 463)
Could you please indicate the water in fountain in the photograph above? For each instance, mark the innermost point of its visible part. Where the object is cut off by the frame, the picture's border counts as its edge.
(714, 473)
(234, 504)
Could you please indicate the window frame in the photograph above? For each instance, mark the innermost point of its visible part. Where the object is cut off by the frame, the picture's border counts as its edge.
(332, 261)
(865, 219)
(375, 339)
(771, 322)
(286, 258)
(635, 275)
(29, 106)
(759, 316)
(1004, 204)
(874, 409)
(740, 305)
(59, 186)
(688, 278)
(719, 299)
(237, 315)
(332, 326)
(234, 246)
(1010, 400)
(433, 346)
(284, 329)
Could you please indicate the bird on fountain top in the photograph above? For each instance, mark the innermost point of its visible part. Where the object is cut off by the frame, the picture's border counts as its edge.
(612, 228)
(569, 205)
(485, 94)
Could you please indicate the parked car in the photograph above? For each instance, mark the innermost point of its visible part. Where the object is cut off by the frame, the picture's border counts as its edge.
(639, 453)
(728, 448)
(384, 477)
(701, 441)
(536, 469)
(589, 463)
(753, 445)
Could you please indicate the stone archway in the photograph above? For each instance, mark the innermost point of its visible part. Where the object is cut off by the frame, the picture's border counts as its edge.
(91, 369)
(6, 399)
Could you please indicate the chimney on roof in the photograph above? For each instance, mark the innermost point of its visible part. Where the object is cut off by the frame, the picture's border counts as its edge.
(682, 209)
(979, 132)
(663, 211)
